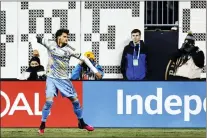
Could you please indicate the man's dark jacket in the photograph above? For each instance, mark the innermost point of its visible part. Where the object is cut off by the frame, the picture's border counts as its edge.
(128, 70)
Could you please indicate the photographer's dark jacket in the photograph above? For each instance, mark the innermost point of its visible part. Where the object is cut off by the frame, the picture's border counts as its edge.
(128, 70)
(34, 73)
(184, 66)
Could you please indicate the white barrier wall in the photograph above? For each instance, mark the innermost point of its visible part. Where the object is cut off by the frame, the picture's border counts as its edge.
(192, 16)
(106, 29)
(9, 41)
(103, 27)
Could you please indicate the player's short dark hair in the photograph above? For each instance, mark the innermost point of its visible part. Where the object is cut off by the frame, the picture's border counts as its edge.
(136, 31)
(60, 32)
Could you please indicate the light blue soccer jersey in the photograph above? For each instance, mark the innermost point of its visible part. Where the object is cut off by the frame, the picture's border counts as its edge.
(58, 62)
(58, 69)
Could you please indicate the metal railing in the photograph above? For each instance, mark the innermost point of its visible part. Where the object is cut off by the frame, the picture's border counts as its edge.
(161, 13)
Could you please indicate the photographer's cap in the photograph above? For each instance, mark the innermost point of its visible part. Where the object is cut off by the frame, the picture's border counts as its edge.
(89, 55)
(190, 38)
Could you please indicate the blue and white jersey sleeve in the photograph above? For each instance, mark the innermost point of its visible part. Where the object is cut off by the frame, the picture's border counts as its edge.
(46, 42)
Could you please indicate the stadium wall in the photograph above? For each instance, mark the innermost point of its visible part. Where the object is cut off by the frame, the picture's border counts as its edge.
(108, 104)
(100, 26)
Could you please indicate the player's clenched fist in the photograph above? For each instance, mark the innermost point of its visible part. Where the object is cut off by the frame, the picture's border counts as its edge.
(39, 39)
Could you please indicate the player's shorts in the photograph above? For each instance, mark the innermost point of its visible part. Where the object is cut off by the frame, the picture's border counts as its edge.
(63, 85)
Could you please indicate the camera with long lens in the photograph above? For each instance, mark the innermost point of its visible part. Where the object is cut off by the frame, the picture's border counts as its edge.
(187, 63)
(189, 44)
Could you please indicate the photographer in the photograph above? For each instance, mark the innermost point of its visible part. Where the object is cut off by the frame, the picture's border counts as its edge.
(187, 63)
(35, 71)
(83, 72)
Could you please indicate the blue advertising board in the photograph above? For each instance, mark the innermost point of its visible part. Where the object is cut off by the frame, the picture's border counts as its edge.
(144, 104)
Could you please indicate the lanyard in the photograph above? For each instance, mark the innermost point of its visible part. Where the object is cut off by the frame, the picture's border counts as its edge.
(138, 52)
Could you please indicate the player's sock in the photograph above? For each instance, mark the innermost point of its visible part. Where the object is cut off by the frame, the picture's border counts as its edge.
(46, 110)
(42, 126)
(77, 109)
(81, 122)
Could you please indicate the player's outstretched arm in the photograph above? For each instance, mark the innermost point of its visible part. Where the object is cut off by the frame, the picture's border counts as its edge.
(87, 61)
(43, 41)
(90, 65)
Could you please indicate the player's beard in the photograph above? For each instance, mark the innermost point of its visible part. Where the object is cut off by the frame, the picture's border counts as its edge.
(64, 44)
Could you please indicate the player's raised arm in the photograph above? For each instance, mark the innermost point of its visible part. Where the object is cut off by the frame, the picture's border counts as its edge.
(43, 41)
(88, 63)
(84, 59)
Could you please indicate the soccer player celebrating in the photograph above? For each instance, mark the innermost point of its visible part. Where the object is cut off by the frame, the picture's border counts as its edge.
(57, 76)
